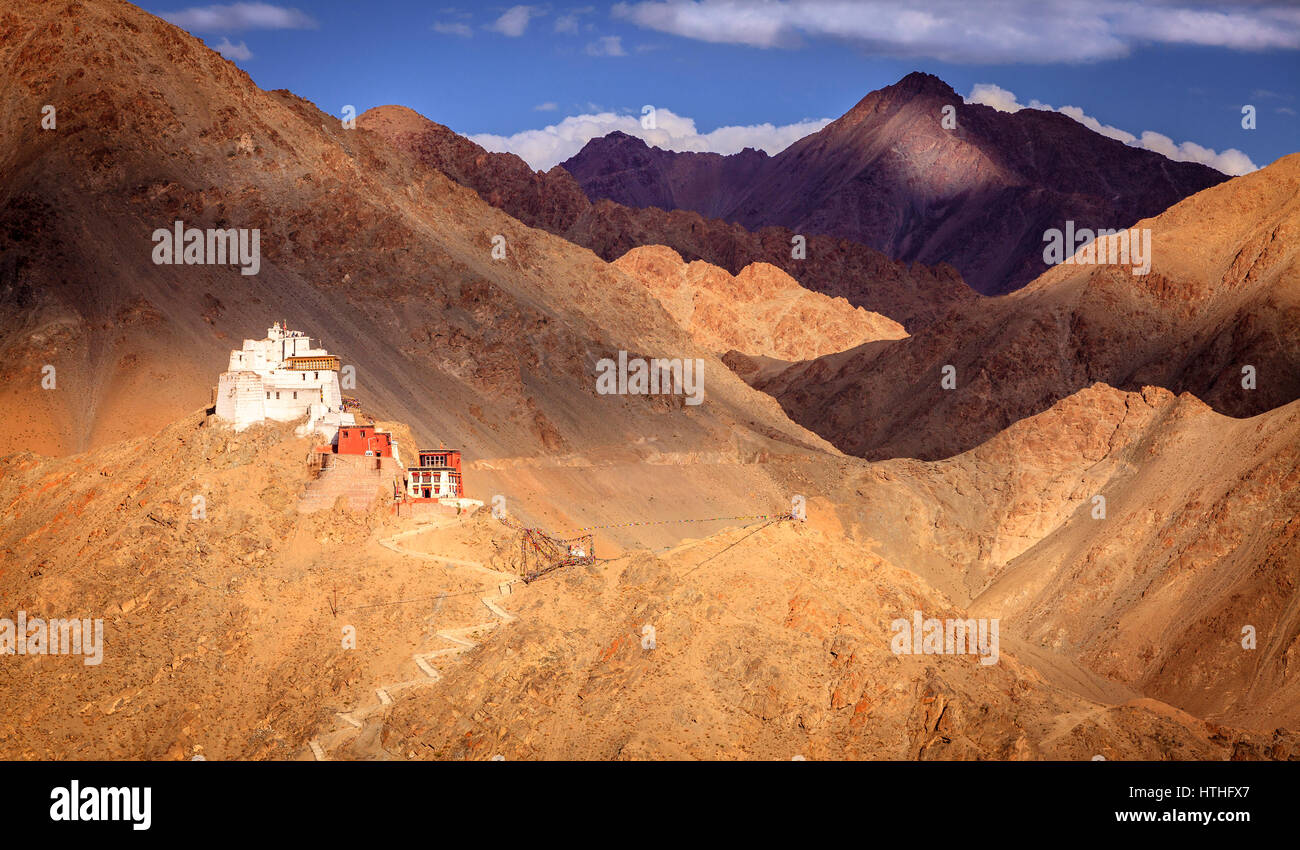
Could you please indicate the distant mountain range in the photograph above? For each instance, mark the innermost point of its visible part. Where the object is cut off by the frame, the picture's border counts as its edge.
(909, 293)
(1222, 294)
(889, 174)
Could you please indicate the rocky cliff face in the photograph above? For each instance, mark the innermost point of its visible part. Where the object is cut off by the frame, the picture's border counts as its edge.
(888, 174)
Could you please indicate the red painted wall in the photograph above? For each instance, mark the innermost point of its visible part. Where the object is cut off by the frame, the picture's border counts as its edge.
(358, 439)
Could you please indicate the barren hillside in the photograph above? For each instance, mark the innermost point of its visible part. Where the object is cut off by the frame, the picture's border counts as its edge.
(1085, 484)
(1121, 631)
(389, 264)
(223, 629)
(1222, 294)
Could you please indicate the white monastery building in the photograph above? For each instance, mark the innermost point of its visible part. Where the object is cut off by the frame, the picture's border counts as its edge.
(285, 379)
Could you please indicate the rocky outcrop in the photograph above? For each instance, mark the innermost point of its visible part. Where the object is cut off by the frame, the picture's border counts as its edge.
(760, 312)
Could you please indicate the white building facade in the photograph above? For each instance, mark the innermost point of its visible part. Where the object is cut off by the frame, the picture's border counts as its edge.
(282, 378)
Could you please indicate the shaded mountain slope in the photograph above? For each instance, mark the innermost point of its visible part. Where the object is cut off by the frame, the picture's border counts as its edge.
(389, 265)
(1223, 294)
(888, 174)
(553, 201)
(1150, 587)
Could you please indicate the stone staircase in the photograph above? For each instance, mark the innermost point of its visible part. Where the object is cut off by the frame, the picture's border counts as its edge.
(353, 481)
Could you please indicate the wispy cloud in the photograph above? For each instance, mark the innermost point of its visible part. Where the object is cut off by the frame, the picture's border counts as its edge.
(1231, 161)
(607, 45)
(235, 17)
(548, 106)
(233, 51)
(553, 144)
(451, 28)
(978, 31)
(569, 21)
(514, 22)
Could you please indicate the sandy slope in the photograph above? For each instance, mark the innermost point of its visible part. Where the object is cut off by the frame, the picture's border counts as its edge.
(768, 643)
(1117, 634)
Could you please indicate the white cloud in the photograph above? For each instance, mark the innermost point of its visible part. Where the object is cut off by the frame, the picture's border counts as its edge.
(1231, 161)
(1000, 99)
(239, 16)
(607, 45)
(233, 51)
(548, 106)
(451, 28)
(551, 145)
(978, 31)
(569, 23)
(514, 22)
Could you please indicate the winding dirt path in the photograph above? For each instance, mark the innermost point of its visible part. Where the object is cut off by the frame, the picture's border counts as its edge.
(462, 639)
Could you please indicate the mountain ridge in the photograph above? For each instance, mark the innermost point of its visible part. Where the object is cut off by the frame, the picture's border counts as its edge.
(1222, 293)
(889, 175)
(911, 294)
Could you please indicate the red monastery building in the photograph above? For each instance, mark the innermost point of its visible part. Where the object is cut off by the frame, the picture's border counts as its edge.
(365, 440)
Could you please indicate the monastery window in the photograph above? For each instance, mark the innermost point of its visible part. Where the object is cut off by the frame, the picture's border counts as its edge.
(295, 395)
(268, 393)
(277, 396)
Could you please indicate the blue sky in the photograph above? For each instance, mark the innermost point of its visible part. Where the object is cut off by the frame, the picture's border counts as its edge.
(539, 79)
